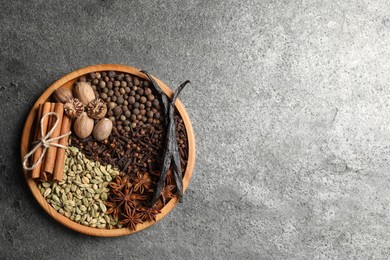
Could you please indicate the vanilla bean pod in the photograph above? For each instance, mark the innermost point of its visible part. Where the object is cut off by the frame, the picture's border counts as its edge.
(171, 152)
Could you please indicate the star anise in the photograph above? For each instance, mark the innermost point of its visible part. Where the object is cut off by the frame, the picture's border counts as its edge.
(120, 182)
(131, 218)
(149, 213)
(142, 182)
(127, 197)
(167, 193)
(112, 209)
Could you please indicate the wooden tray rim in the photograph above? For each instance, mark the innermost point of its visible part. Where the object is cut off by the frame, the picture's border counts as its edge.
(66, 221)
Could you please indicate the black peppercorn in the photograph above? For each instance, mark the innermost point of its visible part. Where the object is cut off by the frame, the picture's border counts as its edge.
(148, 91)
(156, 103)
(135, 81)
(116, 83)
(117, 110)
(102, 84)
(136, 105)
(149, 114)
(120, 100)
(148, 104)
(151, 97)
(131, 100)
(111, 105)
(128, 79)
(95, 81)
(140, 91)
(103, 96)
(122, 90)
(142, 100)
(135, 111)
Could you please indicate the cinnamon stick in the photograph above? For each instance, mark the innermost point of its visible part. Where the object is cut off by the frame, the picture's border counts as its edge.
(46, 109)
(38, 123)
(52, 150)
(60, 158)
(43, 176)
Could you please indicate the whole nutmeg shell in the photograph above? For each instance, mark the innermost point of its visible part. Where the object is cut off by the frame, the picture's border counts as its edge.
(84, 92)
(102, 129)
(62, 95)
(83, 126)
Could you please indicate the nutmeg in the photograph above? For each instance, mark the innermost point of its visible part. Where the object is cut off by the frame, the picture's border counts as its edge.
(102, 129)
(62, 95)
(73, 108)
(84, 92)
(96, 109)
(83, 125)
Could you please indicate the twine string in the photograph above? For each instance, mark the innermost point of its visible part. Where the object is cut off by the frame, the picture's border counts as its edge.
(45, 142)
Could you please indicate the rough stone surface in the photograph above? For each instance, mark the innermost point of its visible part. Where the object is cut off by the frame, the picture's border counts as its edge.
(290, 105)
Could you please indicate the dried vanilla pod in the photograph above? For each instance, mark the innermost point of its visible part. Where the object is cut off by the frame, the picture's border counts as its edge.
(74, 108)
(96, 109)
(169, 151)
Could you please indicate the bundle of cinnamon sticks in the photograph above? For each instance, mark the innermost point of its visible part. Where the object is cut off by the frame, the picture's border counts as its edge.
(53, 162)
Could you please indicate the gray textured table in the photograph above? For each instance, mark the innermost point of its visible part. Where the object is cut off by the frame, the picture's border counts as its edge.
(290, 105)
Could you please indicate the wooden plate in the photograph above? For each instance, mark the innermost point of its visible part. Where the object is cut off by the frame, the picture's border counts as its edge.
(68, 81)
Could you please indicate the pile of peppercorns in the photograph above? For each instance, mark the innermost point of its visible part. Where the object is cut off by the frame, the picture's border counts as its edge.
(130, 101)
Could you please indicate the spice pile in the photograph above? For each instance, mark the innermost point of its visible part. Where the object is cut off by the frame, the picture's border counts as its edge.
(127, 155)
(83, 191)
